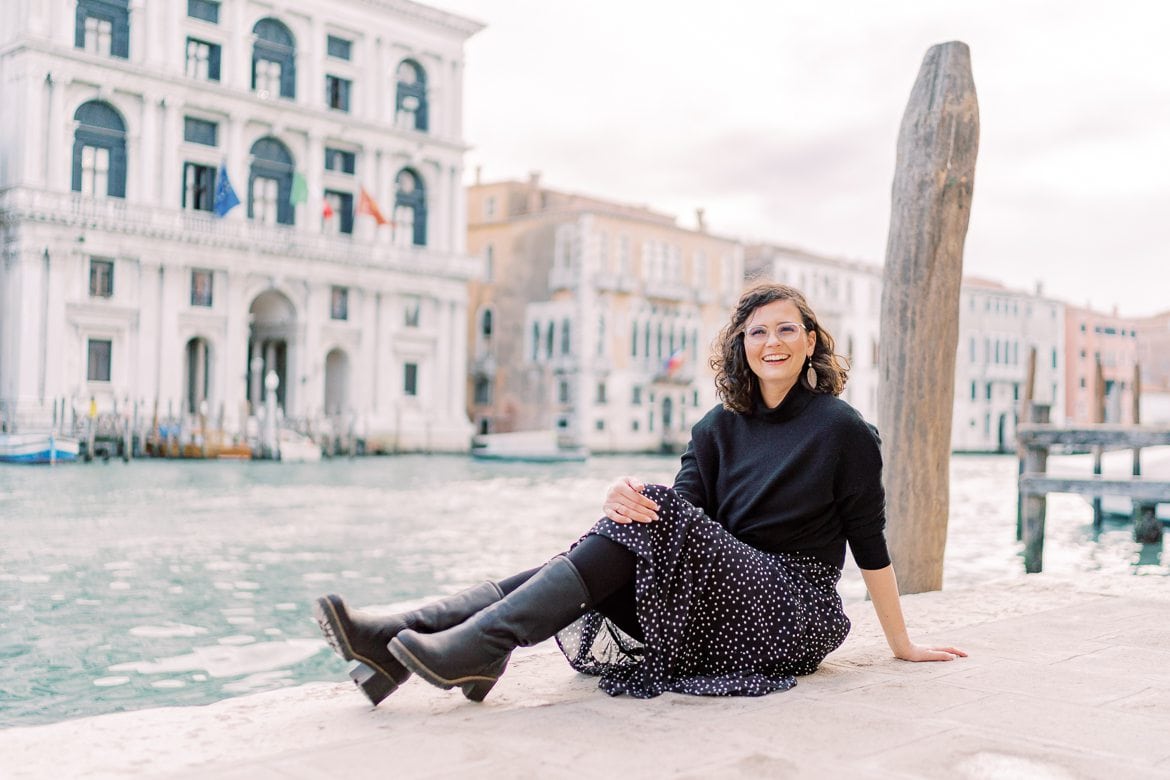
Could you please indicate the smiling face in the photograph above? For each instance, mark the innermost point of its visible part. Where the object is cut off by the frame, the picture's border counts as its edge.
(776, 354)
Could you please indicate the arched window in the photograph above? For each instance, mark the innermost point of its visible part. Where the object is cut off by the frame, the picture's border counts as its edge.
(270, 183)
(485, 324)
(410, 208)
(99, 150)
(274, 60)
(411, 103)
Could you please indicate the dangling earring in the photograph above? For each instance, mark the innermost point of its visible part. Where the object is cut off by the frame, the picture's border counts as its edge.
(810, 375)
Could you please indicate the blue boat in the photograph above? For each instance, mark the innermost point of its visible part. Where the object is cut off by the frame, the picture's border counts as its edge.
(37, 448)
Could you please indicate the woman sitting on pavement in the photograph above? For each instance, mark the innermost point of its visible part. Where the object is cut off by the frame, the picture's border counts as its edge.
(724, 584)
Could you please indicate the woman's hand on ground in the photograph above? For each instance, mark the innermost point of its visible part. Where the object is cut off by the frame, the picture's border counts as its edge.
(624, 502)
(919, 653)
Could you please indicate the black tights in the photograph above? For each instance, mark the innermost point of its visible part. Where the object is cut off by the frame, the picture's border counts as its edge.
(608, 571)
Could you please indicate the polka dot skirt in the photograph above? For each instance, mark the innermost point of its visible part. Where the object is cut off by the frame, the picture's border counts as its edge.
(720, 618)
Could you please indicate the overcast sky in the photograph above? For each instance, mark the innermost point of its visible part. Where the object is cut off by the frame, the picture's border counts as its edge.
(780, 118)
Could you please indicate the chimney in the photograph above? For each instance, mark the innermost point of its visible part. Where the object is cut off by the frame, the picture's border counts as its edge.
(700, 222)
(1039, 289)
(533, 192)
(478, 175)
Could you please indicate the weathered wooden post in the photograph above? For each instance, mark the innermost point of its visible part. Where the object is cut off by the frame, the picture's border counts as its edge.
(1098, 450)
(1035, 507)
(1025, 417)
(930, 209)
(1137, 415)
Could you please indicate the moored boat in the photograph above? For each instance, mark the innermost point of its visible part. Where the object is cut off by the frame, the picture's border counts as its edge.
(531, 446)
(37, 447)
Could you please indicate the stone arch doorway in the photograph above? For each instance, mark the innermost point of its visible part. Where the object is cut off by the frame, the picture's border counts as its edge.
(197, 374)
(336, 382)
(271, 330)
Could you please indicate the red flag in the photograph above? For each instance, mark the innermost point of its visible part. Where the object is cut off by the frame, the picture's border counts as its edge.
(327, 211)
(366, 205)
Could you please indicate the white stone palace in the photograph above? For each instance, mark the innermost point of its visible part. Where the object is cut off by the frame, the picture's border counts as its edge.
(342, 269)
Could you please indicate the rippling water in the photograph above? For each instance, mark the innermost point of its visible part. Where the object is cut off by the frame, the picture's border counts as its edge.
(162, 583)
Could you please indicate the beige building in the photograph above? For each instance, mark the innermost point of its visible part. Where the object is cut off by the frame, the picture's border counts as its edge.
(594, 318)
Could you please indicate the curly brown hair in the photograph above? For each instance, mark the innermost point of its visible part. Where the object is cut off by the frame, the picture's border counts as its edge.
(735, 382)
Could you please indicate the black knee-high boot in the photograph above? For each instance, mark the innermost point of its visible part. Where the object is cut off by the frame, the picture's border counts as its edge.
(357, 636)
(474, 654)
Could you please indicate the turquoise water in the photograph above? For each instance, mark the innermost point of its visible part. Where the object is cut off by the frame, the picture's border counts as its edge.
(163, 583)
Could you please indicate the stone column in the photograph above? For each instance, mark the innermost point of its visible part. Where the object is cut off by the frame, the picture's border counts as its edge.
(58, 138)
(314, 168)
(27, 167)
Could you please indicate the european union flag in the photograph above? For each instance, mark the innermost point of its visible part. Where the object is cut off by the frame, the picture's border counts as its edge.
(225, 196)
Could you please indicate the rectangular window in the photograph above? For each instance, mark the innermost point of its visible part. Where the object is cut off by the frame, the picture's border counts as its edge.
(101, 278)
(200, 131)
(989, 391)
(339, 303)
(95, 170)
(489, 209)
(338, 47)
(98, 363)
(483, 390)
(202, 60)
(339, 214)
(99, 36)
(563, 392)
(974, 391)
(198, 187)
(411, 306)
(410, 379)
(599, 425)
(266, 78)
(207, 10)
(636, 400)
(601, 392)
(201, 281)
(340, 160)
(337, 92)
(264, 196)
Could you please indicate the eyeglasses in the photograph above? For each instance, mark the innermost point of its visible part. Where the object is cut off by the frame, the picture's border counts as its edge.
(785, 331)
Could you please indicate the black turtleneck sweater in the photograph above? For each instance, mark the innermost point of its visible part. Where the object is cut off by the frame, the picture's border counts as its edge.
(805, 476)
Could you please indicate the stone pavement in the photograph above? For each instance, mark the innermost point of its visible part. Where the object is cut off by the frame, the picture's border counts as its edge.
(1066, 679)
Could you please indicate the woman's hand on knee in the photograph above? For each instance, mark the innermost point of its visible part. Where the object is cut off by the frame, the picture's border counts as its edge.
(624, 502)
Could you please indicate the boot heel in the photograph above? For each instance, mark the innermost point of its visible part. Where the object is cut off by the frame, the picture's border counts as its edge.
(375, 685)
(476, 691)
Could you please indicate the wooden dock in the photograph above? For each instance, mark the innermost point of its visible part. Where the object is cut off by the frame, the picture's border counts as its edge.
(1036, 439)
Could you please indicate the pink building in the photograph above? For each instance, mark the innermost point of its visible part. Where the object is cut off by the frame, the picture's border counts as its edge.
(1112, 340)
(1154, 359)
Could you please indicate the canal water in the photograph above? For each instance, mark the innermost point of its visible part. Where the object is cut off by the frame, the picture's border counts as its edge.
(162, 583)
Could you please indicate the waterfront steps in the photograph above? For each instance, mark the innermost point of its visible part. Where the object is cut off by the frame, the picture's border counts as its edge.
(1066, 678)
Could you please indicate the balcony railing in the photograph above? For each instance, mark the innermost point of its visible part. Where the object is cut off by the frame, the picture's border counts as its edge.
(561, 278)
(118, 215)
(670, 291)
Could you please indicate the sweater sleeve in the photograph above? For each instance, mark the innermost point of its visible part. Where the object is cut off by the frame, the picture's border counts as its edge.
(861, 499)
(688, 483)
